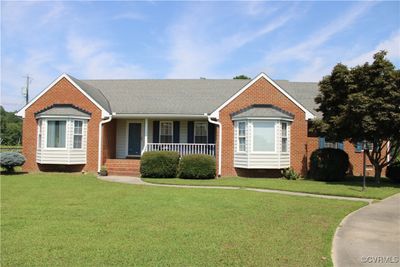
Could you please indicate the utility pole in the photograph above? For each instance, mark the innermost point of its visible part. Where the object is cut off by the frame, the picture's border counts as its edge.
(26, 89)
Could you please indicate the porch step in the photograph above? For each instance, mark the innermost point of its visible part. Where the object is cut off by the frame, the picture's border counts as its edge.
(123, 167)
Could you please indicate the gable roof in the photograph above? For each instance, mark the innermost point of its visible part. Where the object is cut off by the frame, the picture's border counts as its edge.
(308, 114)
(88, 92)
(262, 111)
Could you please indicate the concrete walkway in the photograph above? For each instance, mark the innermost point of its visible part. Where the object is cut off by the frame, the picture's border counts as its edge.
(138, 181)
(369, 236)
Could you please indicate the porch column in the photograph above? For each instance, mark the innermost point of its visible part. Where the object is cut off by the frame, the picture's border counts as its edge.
(146, 127)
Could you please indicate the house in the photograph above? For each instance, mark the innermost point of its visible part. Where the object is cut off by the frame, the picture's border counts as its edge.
(253, 127)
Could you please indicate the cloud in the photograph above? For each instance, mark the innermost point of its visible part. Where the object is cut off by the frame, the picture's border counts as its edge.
(93, 58)
(391, 45)
(195, 50)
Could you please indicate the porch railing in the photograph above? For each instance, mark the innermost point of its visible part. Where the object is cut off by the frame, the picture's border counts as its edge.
(183, 148)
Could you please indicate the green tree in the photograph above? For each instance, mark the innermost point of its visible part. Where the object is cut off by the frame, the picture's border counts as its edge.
(241, 77)
(10, 128)
(363, 103)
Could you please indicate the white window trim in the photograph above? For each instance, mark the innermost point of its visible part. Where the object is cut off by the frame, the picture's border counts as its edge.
(73, 134)
(275, 135)
(66, 135)
(172, 131)
(239, 136)
(194, 131)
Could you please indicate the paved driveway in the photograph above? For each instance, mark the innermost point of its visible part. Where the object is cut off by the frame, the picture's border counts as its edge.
(370, 236)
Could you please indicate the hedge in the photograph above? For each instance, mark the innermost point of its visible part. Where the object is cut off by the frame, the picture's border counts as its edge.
(9, 160)
(197, 166)
(159, 164)
(329, 164)
(393, 172)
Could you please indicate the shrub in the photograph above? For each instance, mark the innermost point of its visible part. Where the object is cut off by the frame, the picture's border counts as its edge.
(393, 172)
(159, 164)
(290, 174)
(197, 167)
(9, 160)
(329, 164)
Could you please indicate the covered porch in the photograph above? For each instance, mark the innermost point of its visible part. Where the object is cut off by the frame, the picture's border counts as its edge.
(126, 139)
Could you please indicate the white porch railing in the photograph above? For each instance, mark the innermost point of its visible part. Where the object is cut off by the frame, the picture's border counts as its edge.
(182, 148)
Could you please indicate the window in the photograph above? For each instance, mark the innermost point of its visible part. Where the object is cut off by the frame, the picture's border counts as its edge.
(264, 136)
(166, 132)
(56, 134)
(242, 136)
(78, 132)
(39, 133)
(324, 144)
(200, 132)
(284, 137)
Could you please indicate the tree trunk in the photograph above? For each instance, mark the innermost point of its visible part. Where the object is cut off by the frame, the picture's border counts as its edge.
(378, 172)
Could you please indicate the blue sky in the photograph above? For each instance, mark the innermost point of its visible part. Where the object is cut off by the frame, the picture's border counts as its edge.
(298, 41)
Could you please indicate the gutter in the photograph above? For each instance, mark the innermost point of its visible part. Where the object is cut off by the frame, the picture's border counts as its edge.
(219, 142)
(103, 121)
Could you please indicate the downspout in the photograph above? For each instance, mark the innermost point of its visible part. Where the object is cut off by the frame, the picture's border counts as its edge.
(219, 142)
(103, 121)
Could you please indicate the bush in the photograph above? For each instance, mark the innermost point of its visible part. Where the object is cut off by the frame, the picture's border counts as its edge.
(290, 174)
(197, 167)
(393, 172)
(159, 164)
(9, 160)
(329, 164)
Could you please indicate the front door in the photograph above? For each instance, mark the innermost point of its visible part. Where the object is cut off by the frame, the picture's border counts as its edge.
(134, 138)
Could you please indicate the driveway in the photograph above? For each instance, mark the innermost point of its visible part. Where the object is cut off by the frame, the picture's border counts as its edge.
(369, 236)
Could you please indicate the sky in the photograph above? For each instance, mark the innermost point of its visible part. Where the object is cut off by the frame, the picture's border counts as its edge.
(296, 41)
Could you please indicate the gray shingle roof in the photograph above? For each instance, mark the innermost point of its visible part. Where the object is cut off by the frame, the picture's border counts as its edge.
(190, 97)
(63, 110)
(262, 111)
(167, 96)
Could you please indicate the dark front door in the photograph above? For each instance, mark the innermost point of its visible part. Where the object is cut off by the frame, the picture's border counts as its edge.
(134, 138)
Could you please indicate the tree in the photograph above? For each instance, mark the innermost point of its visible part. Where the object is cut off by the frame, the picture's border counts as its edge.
(241, 77)
(363, 104)
(10, 128)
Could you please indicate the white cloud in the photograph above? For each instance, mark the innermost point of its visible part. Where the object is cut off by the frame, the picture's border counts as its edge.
(93, 58)
(391, 45)
(195, 51)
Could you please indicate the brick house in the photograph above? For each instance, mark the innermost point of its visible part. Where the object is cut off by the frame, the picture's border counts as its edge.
(253, 127)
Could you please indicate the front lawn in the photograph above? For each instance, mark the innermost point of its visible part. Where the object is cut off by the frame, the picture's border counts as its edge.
(351, 187)
(78, 220)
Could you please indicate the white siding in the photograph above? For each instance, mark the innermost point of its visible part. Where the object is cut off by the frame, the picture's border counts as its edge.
(261, 160)
(183, 132)
(67, 155)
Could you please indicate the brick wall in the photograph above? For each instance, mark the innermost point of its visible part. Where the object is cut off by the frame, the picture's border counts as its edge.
(62, 92)
(262, 92)
(109, 140)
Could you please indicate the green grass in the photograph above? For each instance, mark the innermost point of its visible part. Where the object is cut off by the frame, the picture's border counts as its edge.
(351, 187)
(77, 220)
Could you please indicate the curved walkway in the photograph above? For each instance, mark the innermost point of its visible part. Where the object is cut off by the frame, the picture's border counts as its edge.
(138, 181)
(369, 236)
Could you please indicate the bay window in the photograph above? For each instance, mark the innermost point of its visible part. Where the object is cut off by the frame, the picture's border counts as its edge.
(56, 133)
(284, 135)
(263, 136)
(78, 133)
(242, 136)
